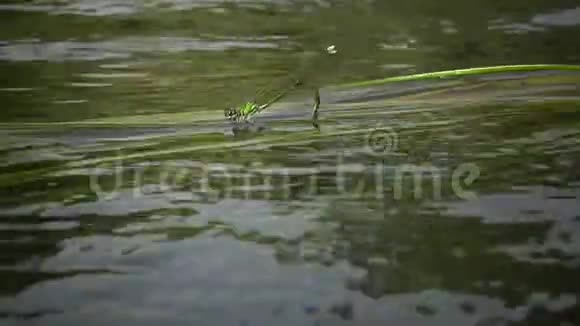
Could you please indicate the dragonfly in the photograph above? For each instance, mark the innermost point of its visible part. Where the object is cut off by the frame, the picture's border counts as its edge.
(248, 110)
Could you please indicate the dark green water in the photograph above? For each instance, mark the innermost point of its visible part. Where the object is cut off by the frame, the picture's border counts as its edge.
(126, 199)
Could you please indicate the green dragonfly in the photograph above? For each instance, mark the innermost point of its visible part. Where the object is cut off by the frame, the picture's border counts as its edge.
(249, 109)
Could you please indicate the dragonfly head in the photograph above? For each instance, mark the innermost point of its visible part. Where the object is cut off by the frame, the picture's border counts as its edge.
(232, 114)
(241, 113)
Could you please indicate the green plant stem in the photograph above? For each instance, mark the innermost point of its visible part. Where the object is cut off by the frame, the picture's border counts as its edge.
(462, 73)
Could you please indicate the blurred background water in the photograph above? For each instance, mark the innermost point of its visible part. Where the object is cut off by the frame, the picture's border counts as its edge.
(112, 120)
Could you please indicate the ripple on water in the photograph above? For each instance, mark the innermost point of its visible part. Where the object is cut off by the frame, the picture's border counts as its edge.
(121, 48)
(130, 7)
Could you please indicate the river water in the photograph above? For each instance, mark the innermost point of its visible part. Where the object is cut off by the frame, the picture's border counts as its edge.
(127, 199)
